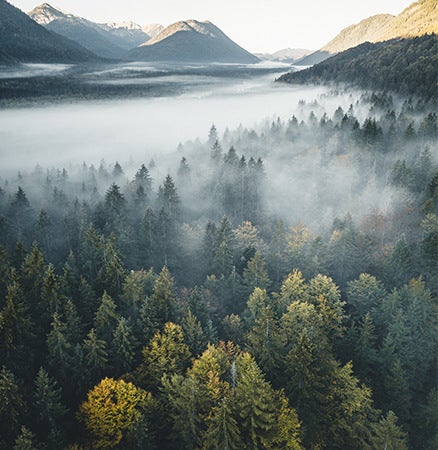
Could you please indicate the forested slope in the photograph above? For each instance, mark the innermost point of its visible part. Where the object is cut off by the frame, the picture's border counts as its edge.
(276, 290)
(405, 66)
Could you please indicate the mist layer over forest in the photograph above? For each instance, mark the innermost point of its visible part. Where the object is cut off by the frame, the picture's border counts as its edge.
(268, 281)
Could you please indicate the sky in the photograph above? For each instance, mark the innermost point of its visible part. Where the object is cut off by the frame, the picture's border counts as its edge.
(257, 25)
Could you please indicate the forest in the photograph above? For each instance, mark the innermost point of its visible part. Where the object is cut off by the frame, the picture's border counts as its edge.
(405, 66)
(265, 288)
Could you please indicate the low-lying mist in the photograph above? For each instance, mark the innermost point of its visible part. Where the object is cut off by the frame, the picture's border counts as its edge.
(72, 132)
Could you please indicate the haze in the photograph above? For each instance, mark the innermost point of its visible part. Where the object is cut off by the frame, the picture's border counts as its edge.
(257, 25)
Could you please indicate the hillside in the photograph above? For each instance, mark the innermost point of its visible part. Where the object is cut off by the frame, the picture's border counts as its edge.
(191, 41)
(418, 19)
(288, 55)
(105, 40)
(368, 30)
(23, 40)
(407, 66)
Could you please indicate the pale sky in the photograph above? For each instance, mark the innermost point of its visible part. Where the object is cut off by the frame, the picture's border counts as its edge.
(257, 25)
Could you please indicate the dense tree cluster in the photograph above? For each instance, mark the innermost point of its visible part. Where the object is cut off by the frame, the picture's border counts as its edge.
(406, 66)
(188, 313)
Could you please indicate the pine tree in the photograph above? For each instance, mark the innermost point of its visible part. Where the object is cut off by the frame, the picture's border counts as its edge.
(25, 440)
(388, 435)
(254, 404)
(50, 292)
(223, 430)
(112, 273)
(163, 299)
(264, 342)
(166, 354)
(49, 410)
(106, 318)
(123, 347)
(12, 405)
(255, 275)
(224, 251)
(95, 355)
(15, 328)
(292, 290)
(59, 349)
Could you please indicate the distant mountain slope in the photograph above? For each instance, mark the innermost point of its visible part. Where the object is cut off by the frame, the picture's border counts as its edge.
(284, 55)
(153, 29)
(88, 34)
(128, 34)
(368, 30)
(106, 40)
(23, 40)
(407, 66)
(191, 41)
(418, 19)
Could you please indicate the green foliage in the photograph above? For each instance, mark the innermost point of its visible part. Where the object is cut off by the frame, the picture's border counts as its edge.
(401, 65)
(166, 354)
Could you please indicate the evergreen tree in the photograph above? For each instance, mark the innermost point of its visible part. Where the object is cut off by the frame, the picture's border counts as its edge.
(166, 354)
(123, 347)
(254, 404)
(106, 318)
(388, 435)
(163, 299)
(12, 406)
(59, 349)
(25, 440)
(49, 410)
(95, 355)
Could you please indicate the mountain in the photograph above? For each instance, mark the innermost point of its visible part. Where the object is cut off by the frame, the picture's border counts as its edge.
(105, 40)
(23, 40)
(129, 34)
(288, 55)
(368, 30)
(152, 29)
(418, 19)
(191, 41)
(407, 66)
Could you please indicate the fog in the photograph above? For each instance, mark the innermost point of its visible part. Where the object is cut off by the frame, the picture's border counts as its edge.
(60, 134)
(32, 70)
(324, 153)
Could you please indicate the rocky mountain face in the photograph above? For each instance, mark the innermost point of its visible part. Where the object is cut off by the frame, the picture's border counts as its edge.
(110, 40)
(192, 41)
(24, 40)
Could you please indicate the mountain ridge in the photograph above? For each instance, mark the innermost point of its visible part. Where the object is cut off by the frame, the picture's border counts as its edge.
(404, 65)
(417, 19)
(191, 41)
(24, 40)
(111, 40)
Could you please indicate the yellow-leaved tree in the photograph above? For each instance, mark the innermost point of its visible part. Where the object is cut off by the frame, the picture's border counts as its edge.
(117, 412)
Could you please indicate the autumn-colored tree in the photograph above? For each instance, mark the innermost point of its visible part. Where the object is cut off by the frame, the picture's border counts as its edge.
(115, 410)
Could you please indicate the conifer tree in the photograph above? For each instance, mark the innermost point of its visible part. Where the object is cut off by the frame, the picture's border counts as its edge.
(254, 404)
(106, 318)
(163, 299)
(166, 354)
(26, 440)
(49, 409)
(59, 349)
(12, 406)
(95, 355)
(123, 347)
